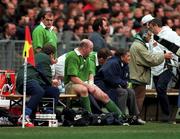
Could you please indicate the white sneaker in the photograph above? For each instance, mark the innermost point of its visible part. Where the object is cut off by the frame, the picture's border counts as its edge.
(27, 121)
(141, 121)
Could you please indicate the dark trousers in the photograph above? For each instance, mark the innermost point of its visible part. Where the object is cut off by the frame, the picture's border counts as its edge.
(161, 83)
(37, 91)
(140, 91)
(126, 98)
(179, 99)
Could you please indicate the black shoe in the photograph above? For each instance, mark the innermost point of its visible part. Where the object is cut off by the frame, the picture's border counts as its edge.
(122, 120)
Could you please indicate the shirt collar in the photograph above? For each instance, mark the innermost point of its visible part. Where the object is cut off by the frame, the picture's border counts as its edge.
(77, 52)
(42, 24)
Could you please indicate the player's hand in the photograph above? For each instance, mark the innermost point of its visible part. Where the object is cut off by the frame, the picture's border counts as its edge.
(55, 82)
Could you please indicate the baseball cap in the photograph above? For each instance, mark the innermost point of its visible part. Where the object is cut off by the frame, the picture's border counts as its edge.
(147, 18)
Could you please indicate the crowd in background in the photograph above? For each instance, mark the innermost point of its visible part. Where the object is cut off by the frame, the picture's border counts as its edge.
(74, 18)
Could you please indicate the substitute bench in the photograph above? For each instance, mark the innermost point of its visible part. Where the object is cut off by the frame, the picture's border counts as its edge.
(151, 93)
(17, 99)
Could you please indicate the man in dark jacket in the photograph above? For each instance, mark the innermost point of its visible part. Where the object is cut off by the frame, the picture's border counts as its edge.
(100, 27)
(39, 81)
(113, 79)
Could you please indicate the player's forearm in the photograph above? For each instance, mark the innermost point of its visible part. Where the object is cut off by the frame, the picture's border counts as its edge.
(91, 79)
(77, 80)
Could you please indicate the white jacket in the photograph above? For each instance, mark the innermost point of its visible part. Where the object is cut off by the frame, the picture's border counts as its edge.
(170, 35)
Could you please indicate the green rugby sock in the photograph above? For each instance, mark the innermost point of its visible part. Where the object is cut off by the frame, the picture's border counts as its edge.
(86, 103)
(112, 107)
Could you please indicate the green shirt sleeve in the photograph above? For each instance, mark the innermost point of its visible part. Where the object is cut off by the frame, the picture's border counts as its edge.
(92, 68)
(92, 61)
(37, 38)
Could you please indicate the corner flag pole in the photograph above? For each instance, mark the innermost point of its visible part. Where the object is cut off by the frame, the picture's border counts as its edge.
(28, 55)
(24, 92)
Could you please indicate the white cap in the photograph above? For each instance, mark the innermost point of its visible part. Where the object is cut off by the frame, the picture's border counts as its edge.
(147, 18)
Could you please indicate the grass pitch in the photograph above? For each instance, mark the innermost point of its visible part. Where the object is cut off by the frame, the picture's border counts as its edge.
(148, 131)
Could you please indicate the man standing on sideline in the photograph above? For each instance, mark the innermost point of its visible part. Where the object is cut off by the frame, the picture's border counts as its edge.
(163, 73)
(44, 33)
(79, 78)
(145, 23)
(141, 62)
(100, 27)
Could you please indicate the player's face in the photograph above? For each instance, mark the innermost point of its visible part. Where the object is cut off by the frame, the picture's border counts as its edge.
(48, 21)
(88, 49)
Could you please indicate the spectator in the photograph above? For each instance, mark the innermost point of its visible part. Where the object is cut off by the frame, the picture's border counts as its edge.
(115, 7)
(105, 13)
(68, 32)
(169, 22)
(177, 21)
(43, 4)
(59, 24)
(22, 22)
(44, 32)
(121, 37)
(54, 4)
(114, 23)
(74, 9)
(31, 14)
(100, 27)
(138, 13)
(9, 32)
(88, 14)
(92, 19)
(79, 19)
(92, 5)
(78, 32)
(118, 15)
(70, 23)
(159, 12)
(39, 81)
(168, 13)
(76, 36)
(125, 8)
(140, 65)
(177, 29)
(9, 16)
(79, 78)
(87, 29)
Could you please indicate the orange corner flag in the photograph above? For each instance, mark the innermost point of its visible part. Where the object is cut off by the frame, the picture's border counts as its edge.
(28, 49)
